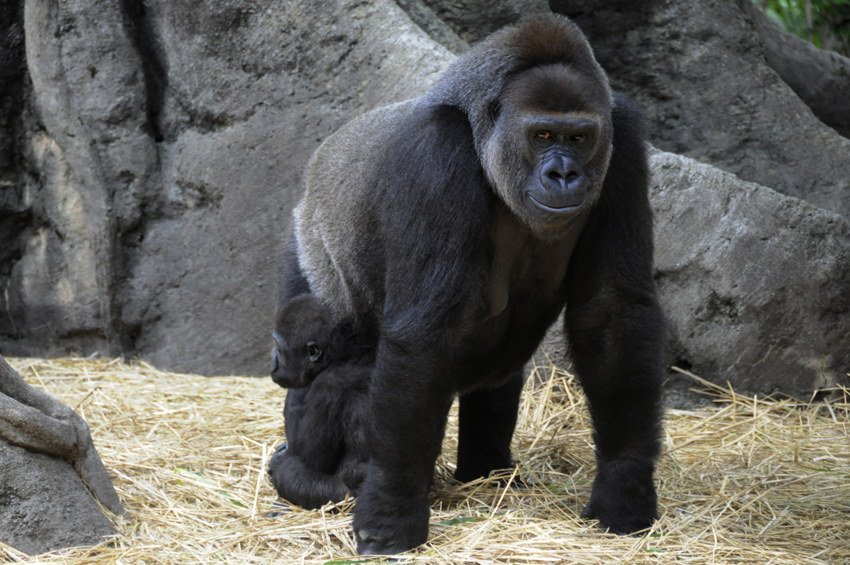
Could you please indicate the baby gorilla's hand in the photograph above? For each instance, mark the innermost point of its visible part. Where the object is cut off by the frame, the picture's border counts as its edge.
(277, 456)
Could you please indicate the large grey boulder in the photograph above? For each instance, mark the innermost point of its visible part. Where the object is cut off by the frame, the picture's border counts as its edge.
(473, 20)
(51, 477)
(87, 139)
(424, 16)
(44, 505)
(247, 96)
(755, 284)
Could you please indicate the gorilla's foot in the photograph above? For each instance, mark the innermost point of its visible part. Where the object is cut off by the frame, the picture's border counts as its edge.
(369, 543)
(386, 525)
(623, 497)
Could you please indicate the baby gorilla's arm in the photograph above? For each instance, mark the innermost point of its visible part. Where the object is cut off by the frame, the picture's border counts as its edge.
(298, 483)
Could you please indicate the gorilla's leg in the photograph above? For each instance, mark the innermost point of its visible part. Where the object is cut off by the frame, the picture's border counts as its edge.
(616, 333)
(299, 484)
(486, 426)
(617, 365)
(409, 411)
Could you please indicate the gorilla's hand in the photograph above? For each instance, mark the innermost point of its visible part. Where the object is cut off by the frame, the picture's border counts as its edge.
(623, 497)
(385, 524)
(276, 459)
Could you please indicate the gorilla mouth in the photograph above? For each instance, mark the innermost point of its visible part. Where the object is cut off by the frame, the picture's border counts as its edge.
(559, 210)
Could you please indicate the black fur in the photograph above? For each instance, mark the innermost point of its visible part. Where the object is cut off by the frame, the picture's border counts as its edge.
(325, 455)
(454, 229)
(616, 328)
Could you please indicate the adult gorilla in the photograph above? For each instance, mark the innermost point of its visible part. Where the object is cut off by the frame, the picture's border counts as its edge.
(455, 227)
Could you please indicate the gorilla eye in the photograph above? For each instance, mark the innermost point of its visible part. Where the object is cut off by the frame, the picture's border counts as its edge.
(314, 352)
(543, 135)
(578, 137)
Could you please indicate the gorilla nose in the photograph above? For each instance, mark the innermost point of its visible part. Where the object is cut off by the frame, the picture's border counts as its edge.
(558, 175)
(558, 170)
(564, 181)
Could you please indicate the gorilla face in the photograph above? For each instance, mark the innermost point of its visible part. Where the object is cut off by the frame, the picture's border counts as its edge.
(557, 147)
(550, 146)
(295, 365)
(303, 337)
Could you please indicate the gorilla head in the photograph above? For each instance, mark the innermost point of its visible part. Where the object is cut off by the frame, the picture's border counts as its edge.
(542, 125)
(550, 146)
(307, 340)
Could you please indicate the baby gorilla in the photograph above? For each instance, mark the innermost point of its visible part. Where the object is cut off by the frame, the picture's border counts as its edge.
(327, 371)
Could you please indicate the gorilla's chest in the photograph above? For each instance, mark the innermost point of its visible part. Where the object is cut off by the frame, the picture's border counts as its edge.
(525, 271)
(526, 293)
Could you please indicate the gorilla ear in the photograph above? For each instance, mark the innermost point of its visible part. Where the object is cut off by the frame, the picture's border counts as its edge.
(314, 352)
(494, 108)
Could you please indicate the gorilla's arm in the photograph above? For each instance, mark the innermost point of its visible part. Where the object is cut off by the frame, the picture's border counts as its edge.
(616, 330)
(317, 434)
(434, 206)
(298, 483)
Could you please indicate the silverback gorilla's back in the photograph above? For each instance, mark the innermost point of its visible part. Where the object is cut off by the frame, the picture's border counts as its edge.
(335, 218)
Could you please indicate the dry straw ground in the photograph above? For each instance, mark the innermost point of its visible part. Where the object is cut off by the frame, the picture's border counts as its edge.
(744, 481)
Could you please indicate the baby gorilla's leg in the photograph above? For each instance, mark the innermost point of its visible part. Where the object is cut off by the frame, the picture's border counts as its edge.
(298, 483)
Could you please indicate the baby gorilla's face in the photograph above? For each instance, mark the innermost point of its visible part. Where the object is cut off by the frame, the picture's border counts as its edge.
(306, 339)
(295, 364)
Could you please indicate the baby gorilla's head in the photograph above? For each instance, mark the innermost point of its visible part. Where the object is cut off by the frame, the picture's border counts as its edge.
(307, 341)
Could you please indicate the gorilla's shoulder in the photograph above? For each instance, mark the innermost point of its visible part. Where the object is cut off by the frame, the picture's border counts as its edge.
(363, 135)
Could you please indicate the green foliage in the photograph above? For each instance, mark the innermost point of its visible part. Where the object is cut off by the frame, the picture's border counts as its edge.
(830, 20)
(463, 520)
